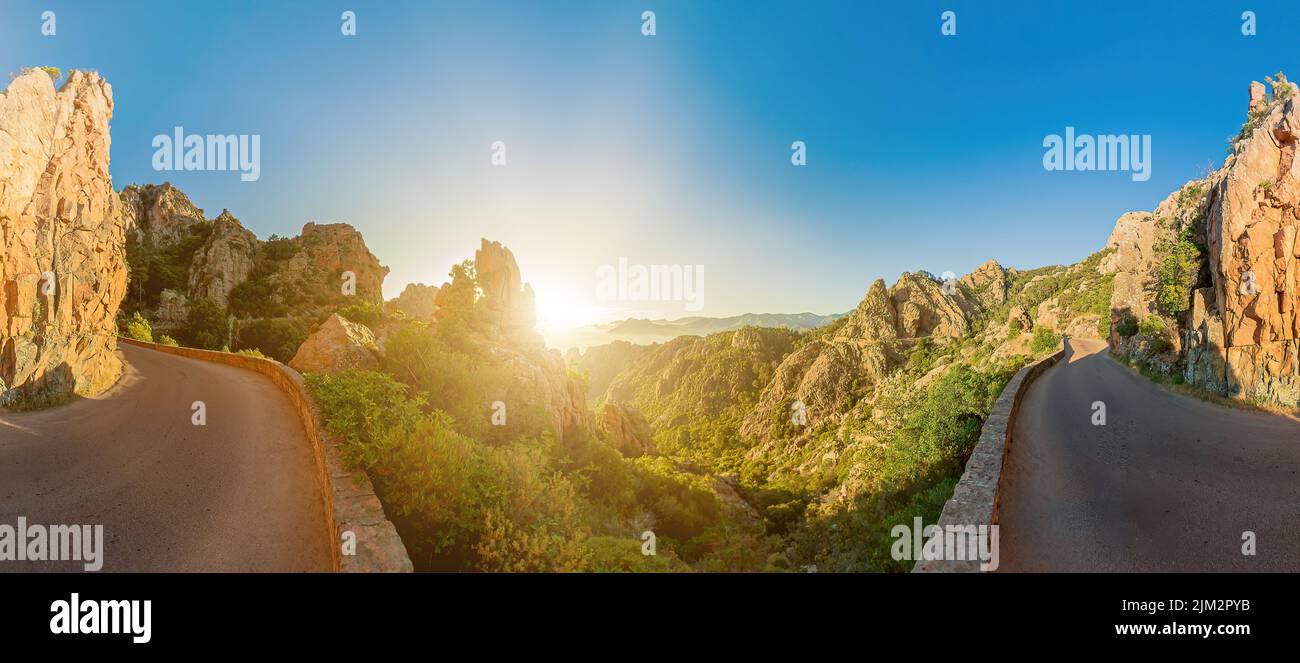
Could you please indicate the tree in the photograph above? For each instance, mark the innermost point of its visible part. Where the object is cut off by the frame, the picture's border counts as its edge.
(206, 325)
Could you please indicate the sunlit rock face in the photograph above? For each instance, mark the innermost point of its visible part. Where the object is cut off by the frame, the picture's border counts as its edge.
(1244, 332)
(63, 270)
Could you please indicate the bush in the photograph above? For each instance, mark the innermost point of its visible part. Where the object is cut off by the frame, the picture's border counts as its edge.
(366, 313)
(462, 504)
(167, 340)
(1127, 326)
(1154, 329)
(138, 328)
(1178, 273)
(54, 72)
(276, 338)
(205, 328)
(1044, 339)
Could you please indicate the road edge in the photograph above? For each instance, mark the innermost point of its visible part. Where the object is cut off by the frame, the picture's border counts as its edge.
(977, 496)
(349, 497)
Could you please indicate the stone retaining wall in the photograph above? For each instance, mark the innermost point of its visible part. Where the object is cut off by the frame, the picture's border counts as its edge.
(350, 501)
(976, 497)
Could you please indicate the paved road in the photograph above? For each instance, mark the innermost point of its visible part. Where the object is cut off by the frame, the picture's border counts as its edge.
(238, 494)
(1170, 483)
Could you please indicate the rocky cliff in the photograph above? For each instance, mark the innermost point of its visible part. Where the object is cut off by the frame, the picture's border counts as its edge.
(158, 214)
(840, 364)
(180, 259)
(224, 261)
(1206, 285)
(1252, 255)
(62, 266)
(417, 302)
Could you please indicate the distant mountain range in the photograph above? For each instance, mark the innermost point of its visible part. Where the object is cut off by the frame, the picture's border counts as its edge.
(702, 326)
(642, 331)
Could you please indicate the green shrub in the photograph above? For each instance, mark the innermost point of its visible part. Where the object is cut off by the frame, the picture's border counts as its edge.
(1044, 339)
(167, 340)
(205, 328)
(1127, 326)
(137, 327)
(54, 72)
(1155, 331)
(151, 270)
(366, 313)
(278, 338)
(1152, 326)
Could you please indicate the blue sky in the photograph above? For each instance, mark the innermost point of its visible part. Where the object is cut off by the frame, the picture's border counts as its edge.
(924, 151)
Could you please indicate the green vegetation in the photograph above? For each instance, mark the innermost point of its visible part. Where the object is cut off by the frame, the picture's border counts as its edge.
(1044, 340)
(54, 72)
(1179, 271)
(278, 338)
(526, 504)
(137, 327)
(467, 495)
(206, 325)
(253, 298)
(1281, 91)
(929, 436)
(167, 340)
(153, 270)
(714, 381)
(1127, 326)
(1156, 333)
(1254, 119)
(1079, 289)
(365, 313)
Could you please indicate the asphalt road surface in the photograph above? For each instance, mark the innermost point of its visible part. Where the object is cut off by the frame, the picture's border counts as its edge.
(238, 494)
(1169, 483)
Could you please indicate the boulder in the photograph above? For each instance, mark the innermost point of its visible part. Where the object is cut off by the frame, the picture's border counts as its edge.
(173, 311)
(337, 345)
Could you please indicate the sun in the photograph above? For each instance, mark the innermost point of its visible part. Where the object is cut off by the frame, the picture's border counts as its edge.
(558, 311)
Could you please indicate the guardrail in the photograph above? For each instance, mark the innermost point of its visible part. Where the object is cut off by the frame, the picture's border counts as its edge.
(976, 498)
(350, 501)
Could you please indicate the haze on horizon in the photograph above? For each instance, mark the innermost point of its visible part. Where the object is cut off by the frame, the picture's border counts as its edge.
(672, 149)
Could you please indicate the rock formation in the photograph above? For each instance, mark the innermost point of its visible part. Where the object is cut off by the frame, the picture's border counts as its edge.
(625, 428)
(326, 254)
(1241, 331)
(601, 363)
(830, 373)
(173, 311)
(182, 259)
(224, 260)
(159, 215)
(510, 301)
(63, 269)
(337, 345)
(417, 302)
